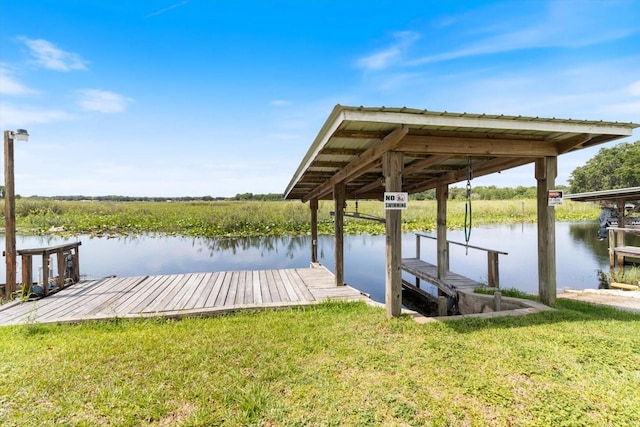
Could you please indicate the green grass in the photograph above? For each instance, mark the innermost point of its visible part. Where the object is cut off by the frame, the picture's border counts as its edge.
(242, 218)
(336, 364)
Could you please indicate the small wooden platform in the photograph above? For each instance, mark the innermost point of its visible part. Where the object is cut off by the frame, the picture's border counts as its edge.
(450, 285)
(180, 295)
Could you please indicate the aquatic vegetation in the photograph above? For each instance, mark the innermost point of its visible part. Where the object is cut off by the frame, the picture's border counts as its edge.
(259, 218)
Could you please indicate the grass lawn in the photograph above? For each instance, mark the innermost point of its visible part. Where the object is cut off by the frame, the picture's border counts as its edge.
(335, 364)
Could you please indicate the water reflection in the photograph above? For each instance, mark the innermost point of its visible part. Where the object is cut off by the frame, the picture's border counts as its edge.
(579, 255)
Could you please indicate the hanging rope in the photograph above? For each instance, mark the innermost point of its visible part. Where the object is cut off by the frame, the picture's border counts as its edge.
(467, 209)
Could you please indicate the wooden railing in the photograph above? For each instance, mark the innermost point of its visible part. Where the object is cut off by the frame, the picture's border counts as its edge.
(493, 273)
(617, 247)
(64, 271)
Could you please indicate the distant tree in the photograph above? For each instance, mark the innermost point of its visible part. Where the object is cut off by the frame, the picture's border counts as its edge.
(610, 168)
(1, 191)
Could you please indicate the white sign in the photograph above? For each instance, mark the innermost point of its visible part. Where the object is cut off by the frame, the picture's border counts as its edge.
(396, 200)
(555, 197)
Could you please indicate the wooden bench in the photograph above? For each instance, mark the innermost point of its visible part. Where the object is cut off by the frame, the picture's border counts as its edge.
(60, 251)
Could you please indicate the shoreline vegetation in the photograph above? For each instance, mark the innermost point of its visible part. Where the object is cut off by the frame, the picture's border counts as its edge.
(230, 219)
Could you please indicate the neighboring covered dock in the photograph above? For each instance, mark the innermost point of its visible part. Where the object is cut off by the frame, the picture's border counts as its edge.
(617, 201)
(363, 153)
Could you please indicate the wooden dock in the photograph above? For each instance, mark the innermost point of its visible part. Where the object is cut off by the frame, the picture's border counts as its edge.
(450, 285)
(180, 295)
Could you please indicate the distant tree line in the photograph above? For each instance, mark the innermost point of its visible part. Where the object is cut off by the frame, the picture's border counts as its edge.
(611, 168)
(484, 193)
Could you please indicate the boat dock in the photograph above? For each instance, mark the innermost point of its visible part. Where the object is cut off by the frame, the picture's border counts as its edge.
(180, 295)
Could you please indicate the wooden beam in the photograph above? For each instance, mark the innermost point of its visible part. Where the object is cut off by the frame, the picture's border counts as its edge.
(573, 143)
(478, 146)
(546, 171)
(9, 218)
(442, 194)
(313, 206)
(392, 163)
(360, 165)
(485, 168)
(425, 163)
(339, 205)
(376, 184)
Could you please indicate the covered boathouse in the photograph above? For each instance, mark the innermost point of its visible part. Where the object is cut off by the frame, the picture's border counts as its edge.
(363, 152)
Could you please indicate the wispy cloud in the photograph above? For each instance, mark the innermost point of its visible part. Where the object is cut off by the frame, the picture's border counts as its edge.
(49, 56)
(391, 54)
(10, 85)
(102, 101)
(23, 117)
(167, 9)
(561, 24)
(280, 103)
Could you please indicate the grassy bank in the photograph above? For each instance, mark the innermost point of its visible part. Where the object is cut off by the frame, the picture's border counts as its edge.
(236, 219)
(336, 364)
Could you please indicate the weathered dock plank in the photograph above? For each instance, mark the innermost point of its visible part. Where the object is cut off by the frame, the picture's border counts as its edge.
(178, 295)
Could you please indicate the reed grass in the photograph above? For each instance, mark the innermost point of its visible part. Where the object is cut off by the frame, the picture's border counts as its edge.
(260, 218)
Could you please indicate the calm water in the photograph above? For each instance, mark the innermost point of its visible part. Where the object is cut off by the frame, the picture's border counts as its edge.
(579, 255)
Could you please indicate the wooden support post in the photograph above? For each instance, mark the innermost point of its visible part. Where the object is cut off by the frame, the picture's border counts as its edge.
(621, 241)
(392, 165)
(612, 249)
(61, 268)
(339, 197)
(493, 280)
(546, 172)
(442, 306)
(313, 206)
(417, 257)
(497, 301)
(27, 280)
(45, 274)
(76, 264)
(9, 217)
(442, 193)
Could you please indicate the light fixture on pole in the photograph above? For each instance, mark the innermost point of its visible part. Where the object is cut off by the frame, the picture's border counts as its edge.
(10, 208)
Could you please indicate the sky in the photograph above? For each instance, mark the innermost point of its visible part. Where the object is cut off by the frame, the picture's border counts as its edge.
(172, 98)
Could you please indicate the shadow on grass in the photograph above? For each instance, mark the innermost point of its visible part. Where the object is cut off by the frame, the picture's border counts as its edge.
(566, 311)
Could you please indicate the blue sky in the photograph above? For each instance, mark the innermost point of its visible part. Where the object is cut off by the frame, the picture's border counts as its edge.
(196, 97)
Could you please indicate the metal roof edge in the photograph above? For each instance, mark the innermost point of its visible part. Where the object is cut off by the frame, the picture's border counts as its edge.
(618, 192)
(425, 117)
(327, 129)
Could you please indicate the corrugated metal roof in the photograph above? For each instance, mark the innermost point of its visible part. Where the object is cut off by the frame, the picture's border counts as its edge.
(437, 147)
(620, 194)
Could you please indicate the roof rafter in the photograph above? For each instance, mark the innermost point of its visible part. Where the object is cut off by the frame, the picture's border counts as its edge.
(359, 166)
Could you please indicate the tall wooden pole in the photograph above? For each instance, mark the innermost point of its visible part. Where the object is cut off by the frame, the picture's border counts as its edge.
(392, 166)
(339, 196)
(313, 206)
(442, 194)
(9, 216)
(546, 172)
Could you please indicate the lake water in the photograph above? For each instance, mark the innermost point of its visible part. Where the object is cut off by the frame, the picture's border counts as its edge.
(579, 255)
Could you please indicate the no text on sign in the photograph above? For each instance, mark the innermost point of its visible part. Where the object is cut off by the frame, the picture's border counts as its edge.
(395, 200)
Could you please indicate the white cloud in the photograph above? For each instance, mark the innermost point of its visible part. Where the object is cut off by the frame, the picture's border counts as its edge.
(10, 86)
(391, 54)
(634, 88)
(280, 103)
(102, 101)
(51, 57)
(167, 9)
(23, 117)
